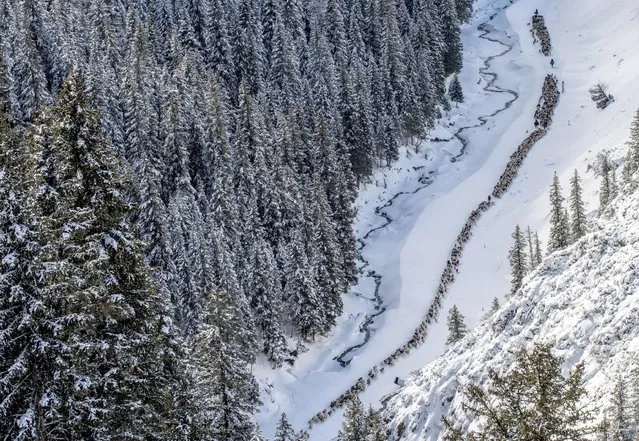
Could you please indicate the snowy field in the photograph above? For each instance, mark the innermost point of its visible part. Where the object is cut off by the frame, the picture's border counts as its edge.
(593, 40)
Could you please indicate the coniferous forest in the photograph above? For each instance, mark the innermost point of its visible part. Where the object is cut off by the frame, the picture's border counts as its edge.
(177, 186)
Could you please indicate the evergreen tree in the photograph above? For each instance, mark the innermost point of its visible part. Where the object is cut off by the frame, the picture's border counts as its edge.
(531, 249)
(494, 306)
(284, 431)
(538, 254)
(456, 326)
(532, 401)
(621, 419)
(633, 384)
(452, 56)
(375, 427)
(109, 375)
(266, 297)
(559, 229)
(354, 427)
(518, 261)
(455, 91)
(225, 386)
(577, 209)
(632, 157)
(25, 364)
(606, 189)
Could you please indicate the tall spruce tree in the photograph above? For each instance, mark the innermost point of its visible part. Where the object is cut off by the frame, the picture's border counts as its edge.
(631, 164)
(456, 326)
(108, 375)
(621, 419)
(538, 253)
(284, 431)
(222, 359)
(375, 426)
(455, 91)
(559, 228)
(531, 249)
(25, 361)
(354, 427)
(578, 225)
(518, 260)
(606, 188)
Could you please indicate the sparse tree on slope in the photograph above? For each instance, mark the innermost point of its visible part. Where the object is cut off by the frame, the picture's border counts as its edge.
(375, 427)
(354, 427)
(455, 91)
(559, 229)
(607, 186)
(456, 326)
(284, 431)
(518, 260)
(632, 158)
(533, 401)
(634, 398)
(531, 249)
(577, 208)
(621, 420)
(494, 306)
(538, 253)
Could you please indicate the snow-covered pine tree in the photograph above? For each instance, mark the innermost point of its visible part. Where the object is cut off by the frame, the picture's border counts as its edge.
(614, 187)
(631, 164)
(109, 377)
(633, 384)
(27, 71)
(284, 431)
(447, 12)
(606, 187)
(354, 427)
(494, 306)
(25, 362)
(375, 426)
(464, 9)
(307, 310)
(559, 228)
(531, 249)
(456, 326)
(266, 301)
(227, 391)
(455, 91)
(533, 395)
(538, 253)
(257, 435)
(621, 419)
(324, 249)
(578, 222)
(518, 260)
(599, 94)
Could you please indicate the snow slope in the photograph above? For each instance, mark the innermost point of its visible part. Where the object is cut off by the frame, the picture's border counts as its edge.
(410, 253)
(593, 40)
(584, 299)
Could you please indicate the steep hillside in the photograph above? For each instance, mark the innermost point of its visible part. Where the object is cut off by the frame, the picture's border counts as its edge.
(585, 299)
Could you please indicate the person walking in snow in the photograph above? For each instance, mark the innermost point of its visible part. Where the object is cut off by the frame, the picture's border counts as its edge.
(552, 62)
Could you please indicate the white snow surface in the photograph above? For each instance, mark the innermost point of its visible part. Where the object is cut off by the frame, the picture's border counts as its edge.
(593, 40)
(583, 299)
